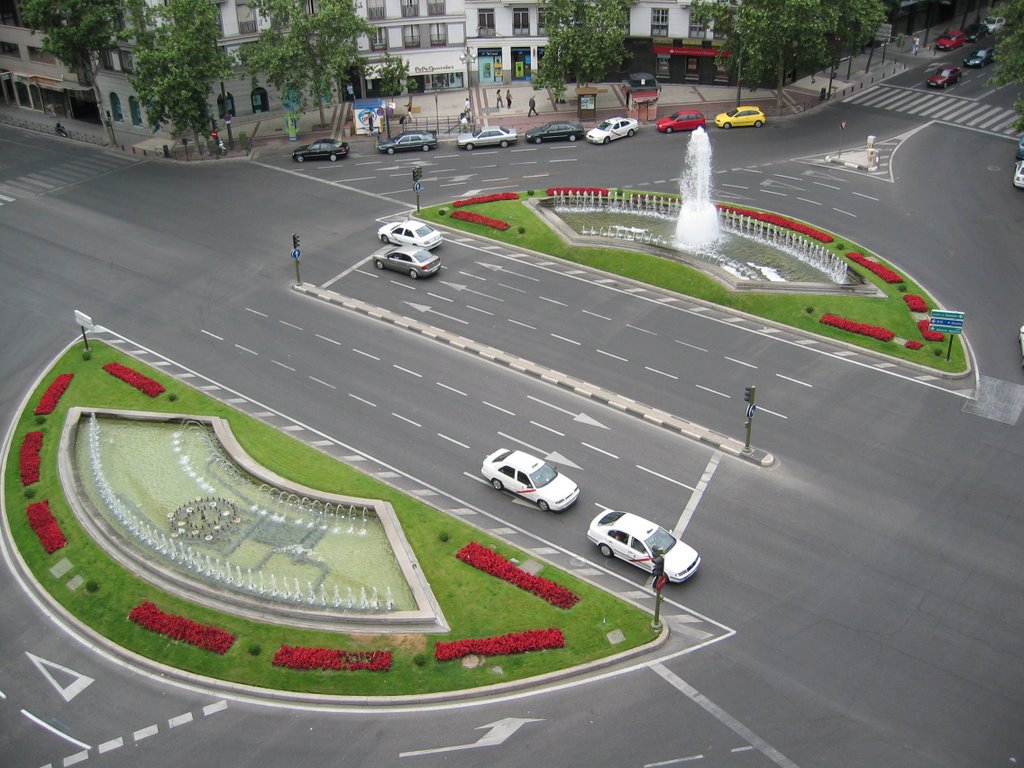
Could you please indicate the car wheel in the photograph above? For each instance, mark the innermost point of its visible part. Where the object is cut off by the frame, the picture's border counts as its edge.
(758, 123)
(333, 158)
(426, 147)
(384, 238)
(543, 505)
(391, 150)
(299, 159)
(606, 139)
(605, 550)
(469, 147)
(497, 484)
(378, 264)
(669, 129)
(414, 274)
(503, 144)
(572, 137)
(631, 133)
(727, 126)
(537, 140)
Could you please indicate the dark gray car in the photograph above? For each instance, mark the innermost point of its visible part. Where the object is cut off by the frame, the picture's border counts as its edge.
(405, 142)
(554, 131)
(413, 261)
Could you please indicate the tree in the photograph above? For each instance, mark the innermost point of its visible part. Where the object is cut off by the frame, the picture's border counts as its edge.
(393, 76)
(1010, 54)
(78, 32)
(177, 59)
(769, 38)
(307, 53)
(585, 39)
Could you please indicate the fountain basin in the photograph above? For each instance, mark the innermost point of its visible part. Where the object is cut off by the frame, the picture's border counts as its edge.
(176, 500)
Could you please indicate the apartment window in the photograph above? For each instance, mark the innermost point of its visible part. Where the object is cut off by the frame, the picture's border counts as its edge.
(410, 37)
(485, 22)
(659, 22)
(378, 39)
(542, 21)
(127, 61)
(115, 107)
(410, 8)
(9, 13)
(439, 34)
(520, 21)
(376, 11)
(435, 8)
(696, 28)
(135, 110)
(8, 49)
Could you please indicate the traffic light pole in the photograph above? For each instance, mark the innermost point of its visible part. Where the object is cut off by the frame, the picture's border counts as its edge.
(296, 252)
(417, 174)
(749, 395)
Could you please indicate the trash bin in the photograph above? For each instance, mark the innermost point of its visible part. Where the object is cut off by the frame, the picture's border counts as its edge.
(821, 96)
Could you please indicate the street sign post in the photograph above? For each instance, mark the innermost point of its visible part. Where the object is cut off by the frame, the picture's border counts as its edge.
(85, 323)
(947, 321)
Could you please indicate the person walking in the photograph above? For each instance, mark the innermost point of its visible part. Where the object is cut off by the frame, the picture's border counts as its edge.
(466, 107)
(508, 98)
(533, 107)
(498, 101)
(917, 44)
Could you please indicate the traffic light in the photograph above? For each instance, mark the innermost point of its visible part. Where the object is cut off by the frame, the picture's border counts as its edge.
(749, 392)
(417, 173)
(658, 569)
(295, 241)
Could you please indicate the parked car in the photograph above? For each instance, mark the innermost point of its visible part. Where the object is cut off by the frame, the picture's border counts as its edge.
(324, 149)
(532, 478)
(1021, 339)
(410, 233)
(1020, 147)
(681, 121)
(980, 57)
(1018, 175)
(975, 31)
(994, 23)
(554, 131)
(410, 140)
(950, 40)
(945, 76)
(637, 541)
(493, 136)
(741, 116)
(611, 129)
(413, 261)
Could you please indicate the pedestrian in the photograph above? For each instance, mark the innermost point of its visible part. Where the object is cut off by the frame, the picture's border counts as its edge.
(466, 106)
(498, 102)
(508, 98)
(369, 122)
(917, 44)
(533, 107)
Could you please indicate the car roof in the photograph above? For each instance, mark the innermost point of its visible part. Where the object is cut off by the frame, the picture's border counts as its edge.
(522, 460)
(634, 525)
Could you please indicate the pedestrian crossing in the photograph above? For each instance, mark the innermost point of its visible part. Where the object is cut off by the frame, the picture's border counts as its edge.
(943, 107)
(28, 185)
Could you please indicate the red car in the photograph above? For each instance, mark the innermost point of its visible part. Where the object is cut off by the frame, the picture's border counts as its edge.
(950, 39)
(945, 76)
(681, 121)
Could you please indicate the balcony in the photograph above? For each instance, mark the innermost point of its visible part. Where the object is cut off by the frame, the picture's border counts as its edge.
(410, 42)
(485, 32)
(376, 12)
(435, 9)
(247, 27)
(378, 45)
(438, 41)
(410, 9)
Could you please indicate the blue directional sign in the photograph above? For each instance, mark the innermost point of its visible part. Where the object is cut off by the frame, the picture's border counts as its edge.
(295, 254)
(946, 321)
(418, 186)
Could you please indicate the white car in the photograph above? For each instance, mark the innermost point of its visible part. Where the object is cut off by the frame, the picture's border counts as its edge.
(611, 129)
(1022, 346)
(635, 540)
(410, 233)
(1018, 175)
(532, 478)
(994, 23)
(491, 136)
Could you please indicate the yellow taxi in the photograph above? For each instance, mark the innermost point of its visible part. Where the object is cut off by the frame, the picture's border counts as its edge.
(741, 116)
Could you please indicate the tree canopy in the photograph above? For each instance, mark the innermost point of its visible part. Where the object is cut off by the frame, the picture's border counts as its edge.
(177, 60)
(77, 32)
(1010, 54)
(393, 75)
(585, 39)
(307, 54)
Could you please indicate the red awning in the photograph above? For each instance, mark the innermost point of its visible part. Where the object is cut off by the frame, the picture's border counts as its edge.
(645, 96)
(686, 50)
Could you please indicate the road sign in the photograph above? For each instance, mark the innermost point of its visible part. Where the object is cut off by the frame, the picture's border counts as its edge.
(296, 253)
(942, 322)
(751, 410)
(83, 320)
(660, 582)
(946, 321)
(946, 314)
(418, 186)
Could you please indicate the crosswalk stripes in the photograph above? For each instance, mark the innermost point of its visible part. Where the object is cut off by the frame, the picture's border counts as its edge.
(72, 172)
(942, 107)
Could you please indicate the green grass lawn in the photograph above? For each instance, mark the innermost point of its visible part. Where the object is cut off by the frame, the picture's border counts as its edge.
(474, 603)
(802, 311)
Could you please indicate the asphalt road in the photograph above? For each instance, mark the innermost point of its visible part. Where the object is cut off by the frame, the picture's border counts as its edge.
(871, 577)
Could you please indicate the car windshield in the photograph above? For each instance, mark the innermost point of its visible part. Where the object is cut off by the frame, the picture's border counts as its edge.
(733, 112)
(660, 538)
(605, 126)
(543, 475)
(424, 231)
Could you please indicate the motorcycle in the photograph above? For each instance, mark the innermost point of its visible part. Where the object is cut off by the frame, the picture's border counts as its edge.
(60, 130)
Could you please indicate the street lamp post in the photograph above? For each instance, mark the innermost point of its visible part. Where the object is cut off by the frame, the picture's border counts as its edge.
(437, 117)
(227, 115)
(468, 58)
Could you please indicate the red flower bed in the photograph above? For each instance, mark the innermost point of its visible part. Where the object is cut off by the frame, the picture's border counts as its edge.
(489, 561)
(486, 199)
(144, 384)
(46, 526)
(874, 331)
(53, 394)
(294, 657)
(879, 269)
(779, 221)
(577, 191)
(928, 335)
(476, 218)
(503, 645)
(28, 460)
(203, 636)
(915, 303)
(913, 344)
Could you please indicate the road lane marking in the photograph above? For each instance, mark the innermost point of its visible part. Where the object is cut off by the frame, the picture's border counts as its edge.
(145, 733)
(451, 389)
(287, 367)
(739, 362)
(406, 370)
(525, 325)
(246, 349)
(609, 354)
(665, 477)
(410, 421)
(795, 381)
(599, 450)
(362, 400)
(594, 314)
(453, 440)
(563, 338)
(697, 495)
(326, 338)
(291, 325)
(497, 408)
(365, 354)
(549, 429)
(107, 746)
(54, 731)
(256, 312)
(713, 391)
(691, 346)
(321, 381)
(214, 335)
(180, 720)
(655, 370)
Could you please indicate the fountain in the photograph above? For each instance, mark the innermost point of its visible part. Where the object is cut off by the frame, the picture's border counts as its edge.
(697, 225)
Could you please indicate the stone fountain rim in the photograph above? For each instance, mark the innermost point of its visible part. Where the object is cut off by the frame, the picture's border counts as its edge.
(426, 618)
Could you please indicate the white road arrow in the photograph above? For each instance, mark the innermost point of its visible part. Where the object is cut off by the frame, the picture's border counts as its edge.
(79, 684)
(426, 308)
(467, 289)
(558, 459)
(499, 732)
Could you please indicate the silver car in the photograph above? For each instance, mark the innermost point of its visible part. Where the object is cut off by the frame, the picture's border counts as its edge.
(492, 136)
(413, 261)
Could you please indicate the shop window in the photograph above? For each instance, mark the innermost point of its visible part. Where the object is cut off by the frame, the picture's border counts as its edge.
(659, 22)
(115, 108)
(226, 106)
(260, 102)
(135, 110)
